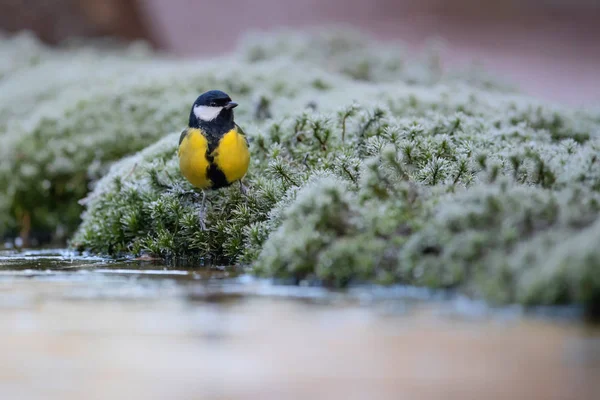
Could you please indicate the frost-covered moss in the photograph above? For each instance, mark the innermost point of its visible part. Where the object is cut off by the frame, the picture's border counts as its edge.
(386, 194)
(367, 165)
(354, 55)
(66, 114)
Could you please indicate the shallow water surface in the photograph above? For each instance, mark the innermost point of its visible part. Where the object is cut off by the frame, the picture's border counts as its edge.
(75, 327)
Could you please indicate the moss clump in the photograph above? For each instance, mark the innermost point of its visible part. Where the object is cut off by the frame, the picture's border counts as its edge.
(472, 199)
(358, 57)
(60, 135)
(366, 166)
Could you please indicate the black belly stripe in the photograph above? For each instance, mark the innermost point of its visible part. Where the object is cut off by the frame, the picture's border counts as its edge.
(214, 173)
(217, 177)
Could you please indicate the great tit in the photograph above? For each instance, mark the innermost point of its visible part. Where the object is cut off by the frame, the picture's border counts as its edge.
(213, 149)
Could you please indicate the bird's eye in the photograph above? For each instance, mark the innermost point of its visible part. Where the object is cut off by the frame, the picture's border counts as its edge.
(213, 104)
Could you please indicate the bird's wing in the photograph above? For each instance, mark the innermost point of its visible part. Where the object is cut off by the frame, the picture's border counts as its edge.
(183, 135)
(241, 132)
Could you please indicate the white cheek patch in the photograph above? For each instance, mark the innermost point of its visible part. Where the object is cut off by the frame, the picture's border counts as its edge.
(206, 113)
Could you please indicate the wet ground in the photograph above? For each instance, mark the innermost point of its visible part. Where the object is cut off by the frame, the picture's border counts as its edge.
(84, 328)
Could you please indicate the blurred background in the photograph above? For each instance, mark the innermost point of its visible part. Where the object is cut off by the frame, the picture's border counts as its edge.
(550, 48)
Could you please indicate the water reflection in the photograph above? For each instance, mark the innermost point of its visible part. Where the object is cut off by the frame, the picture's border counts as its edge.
(72, 327)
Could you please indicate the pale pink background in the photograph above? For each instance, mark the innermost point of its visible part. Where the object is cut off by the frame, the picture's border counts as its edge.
(551, 48)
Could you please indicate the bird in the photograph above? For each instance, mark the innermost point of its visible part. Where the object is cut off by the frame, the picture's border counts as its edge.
(213, 150)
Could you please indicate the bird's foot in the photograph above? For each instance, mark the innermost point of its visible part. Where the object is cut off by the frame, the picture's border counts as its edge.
(202, 212)
(196, 198)
(243, 189)
(201, 215)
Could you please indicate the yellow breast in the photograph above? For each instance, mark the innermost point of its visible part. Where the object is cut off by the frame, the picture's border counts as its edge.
(232, 155)
(230, 158)
(192, 158)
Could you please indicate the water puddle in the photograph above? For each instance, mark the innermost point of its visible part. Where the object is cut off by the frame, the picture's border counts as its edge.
(75, 327)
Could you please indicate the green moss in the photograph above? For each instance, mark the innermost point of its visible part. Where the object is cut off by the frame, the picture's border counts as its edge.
(367, 165)
(361, 194)
(60, 135)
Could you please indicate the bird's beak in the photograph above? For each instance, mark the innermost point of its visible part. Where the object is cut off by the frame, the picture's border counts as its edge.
(231, 105)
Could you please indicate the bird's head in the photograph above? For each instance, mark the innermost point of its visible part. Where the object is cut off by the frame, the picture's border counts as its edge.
(213, 105)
